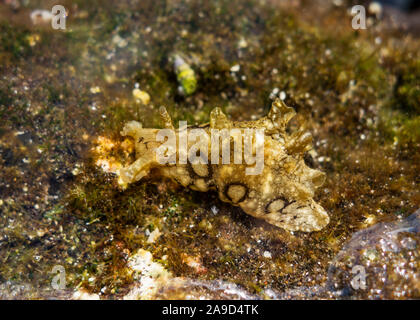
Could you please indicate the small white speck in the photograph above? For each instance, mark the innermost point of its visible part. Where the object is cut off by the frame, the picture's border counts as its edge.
(282, 95)
(235, 68)
(153, 236)
(274, 93)
(267, 254)
(375, 8)
(242, 43)
(215, 210)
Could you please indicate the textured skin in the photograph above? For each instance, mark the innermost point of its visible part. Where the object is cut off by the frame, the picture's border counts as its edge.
(282, 194)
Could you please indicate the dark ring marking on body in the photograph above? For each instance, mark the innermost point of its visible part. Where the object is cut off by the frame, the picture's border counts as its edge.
(286, 204)
(179, 182)
(193, 173)
(226, 189)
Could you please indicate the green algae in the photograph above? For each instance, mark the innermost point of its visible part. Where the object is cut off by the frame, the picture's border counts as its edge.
(14, 44)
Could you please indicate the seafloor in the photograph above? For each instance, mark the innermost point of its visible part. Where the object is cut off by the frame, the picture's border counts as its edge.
(65, 95)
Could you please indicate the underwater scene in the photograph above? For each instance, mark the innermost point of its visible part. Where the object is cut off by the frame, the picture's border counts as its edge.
(209, 150)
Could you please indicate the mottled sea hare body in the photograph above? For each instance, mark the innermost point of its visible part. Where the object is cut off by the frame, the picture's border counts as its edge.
(281, 194)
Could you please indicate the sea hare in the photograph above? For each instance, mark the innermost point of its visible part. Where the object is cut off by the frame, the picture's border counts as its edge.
(279, 188)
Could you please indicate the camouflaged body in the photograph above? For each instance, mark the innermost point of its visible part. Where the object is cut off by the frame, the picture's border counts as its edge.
(282, 194)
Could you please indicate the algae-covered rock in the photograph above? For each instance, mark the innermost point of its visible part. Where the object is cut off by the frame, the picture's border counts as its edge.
(153, 281)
